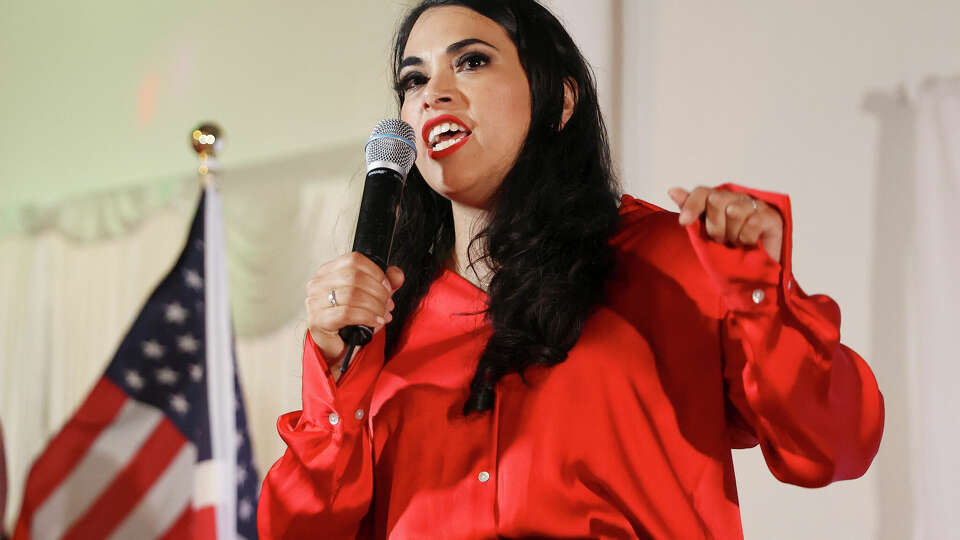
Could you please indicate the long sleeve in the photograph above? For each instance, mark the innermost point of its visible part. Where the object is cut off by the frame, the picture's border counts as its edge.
(812, 403)
(323, 484)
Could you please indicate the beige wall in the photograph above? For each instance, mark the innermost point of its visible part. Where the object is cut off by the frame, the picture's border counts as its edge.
(771, 94)
(103, 94)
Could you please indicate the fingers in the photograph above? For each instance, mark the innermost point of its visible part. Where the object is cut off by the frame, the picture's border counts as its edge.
(764, 227)
(731, 217)
(352, 264)
(361, 295)
(723, 211)
(716, 218)
(330, 319)
(352, 270)
(759, 225)
(395, 277)
(678, 195)
(739, 209)
(354, 297)
(694, 205)
(346, 279)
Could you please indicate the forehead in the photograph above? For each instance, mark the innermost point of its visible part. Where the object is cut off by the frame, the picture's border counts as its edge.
(440, 26)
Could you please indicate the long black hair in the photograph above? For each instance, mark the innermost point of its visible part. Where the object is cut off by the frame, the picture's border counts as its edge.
(546, 239)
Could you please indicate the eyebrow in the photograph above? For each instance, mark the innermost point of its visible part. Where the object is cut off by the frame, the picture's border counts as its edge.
(451, 49)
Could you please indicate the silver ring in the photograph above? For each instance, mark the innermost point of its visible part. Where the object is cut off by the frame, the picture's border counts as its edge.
(332, 298)
(754, 201)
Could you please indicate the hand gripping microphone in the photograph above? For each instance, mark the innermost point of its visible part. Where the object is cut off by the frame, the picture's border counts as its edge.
(390, 153)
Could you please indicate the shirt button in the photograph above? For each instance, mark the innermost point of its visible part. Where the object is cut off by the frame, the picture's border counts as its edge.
(483, 476)
(758, 296)
(359, 414)
(789, 284)
(334, 419)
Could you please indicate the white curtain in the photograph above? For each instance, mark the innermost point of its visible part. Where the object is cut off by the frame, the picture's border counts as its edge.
(72, 279)
(934, 312)
(916, 308)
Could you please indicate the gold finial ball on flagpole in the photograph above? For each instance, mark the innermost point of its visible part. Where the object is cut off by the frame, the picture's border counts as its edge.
(207, 140)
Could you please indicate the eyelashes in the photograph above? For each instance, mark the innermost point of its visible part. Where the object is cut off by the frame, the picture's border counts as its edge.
(470, 61)
(410, 81)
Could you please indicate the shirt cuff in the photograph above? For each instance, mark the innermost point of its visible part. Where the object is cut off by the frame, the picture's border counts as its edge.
(747, 278)
(344, 405)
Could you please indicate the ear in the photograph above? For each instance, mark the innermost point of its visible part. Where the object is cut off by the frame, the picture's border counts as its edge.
(569, 100)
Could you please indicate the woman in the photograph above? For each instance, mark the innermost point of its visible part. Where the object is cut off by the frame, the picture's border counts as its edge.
(547, 364)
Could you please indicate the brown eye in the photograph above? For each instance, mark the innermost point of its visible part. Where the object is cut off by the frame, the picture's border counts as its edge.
(473, 61)
(411, 81)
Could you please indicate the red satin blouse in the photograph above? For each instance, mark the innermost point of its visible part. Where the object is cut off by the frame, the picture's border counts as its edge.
(697, 348)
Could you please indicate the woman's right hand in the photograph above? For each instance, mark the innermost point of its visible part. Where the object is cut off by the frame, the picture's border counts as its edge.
(363, 296)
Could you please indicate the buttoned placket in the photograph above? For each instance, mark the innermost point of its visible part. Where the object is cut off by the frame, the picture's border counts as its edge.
(494, 453)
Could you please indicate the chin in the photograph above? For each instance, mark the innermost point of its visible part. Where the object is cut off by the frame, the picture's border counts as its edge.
(459, 193)
(447, 189)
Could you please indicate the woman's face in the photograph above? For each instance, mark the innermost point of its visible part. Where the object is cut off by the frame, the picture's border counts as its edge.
(467, 97)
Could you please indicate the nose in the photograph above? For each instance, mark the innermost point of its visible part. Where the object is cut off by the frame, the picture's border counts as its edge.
(440, 91)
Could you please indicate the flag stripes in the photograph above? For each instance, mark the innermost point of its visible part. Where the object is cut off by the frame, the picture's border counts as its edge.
(113, 449)
(71, 444)
(130, 483)
(182, 527)
(159, 447)
(165, 501)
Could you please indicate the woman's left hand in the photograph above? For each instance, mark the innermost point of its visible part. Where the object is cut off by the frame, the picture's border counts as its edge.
(732, 218)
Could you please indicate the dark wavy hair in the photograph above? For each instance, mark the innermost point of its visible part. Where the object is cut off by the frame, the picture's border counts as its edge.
(546, 239)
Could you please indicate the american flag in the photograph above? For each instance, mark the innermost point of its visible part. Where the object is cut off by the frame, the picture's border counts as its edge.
(159, 449)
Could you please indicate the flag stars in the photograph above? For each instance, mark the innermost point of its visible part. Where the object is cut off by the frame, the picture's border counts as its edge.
(179, 403)
(175, 313)
(241, 474)
(188, 343)
(192, 279)
(166, 376)
(152, 349)
(133, 379)
(244, 509)
(196, 372)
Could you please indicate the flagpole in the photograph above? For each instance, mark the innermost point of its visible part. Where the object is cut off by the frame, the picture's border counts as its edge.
(207, 141)
(159, 447)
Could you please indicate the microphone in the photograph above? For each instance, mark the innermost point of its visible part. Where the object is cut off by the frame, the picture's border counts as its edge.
(390, 152)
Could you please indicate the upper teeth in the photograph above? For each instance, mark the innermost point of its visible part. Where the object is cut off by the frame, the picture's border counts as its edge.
(443, 128)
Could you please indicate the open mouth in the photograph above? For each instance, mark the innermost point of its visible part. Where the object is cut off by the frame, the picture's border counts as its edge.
(444, 135)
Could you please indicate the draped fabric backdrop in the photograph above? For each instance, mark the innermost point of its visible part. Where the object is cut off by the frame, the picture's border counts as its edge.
(933, 312)
(916, 307)
(70, 287)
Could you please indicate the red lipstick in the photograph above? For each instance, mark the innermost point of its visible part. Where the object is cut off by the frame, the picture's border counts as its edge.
(434, 122)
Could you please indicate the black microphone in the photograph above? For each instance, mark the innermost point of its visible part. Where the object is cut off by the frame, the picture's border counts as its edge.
(390, 153)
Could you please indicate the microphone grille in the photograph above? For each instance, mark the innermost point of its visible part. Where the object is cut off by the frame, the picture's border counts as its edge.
(391, 145)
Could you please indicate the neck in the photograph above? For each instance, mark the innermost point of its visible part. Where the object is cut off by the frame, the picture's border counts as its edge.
(467, 222)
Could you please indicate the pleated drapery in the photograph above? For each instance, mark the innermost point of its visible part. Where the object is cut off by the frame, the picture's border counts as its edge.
(72, 282)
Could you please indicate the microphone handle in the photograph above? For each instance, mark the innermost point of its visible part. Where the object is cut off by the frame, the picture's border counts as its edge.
(375, 223)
